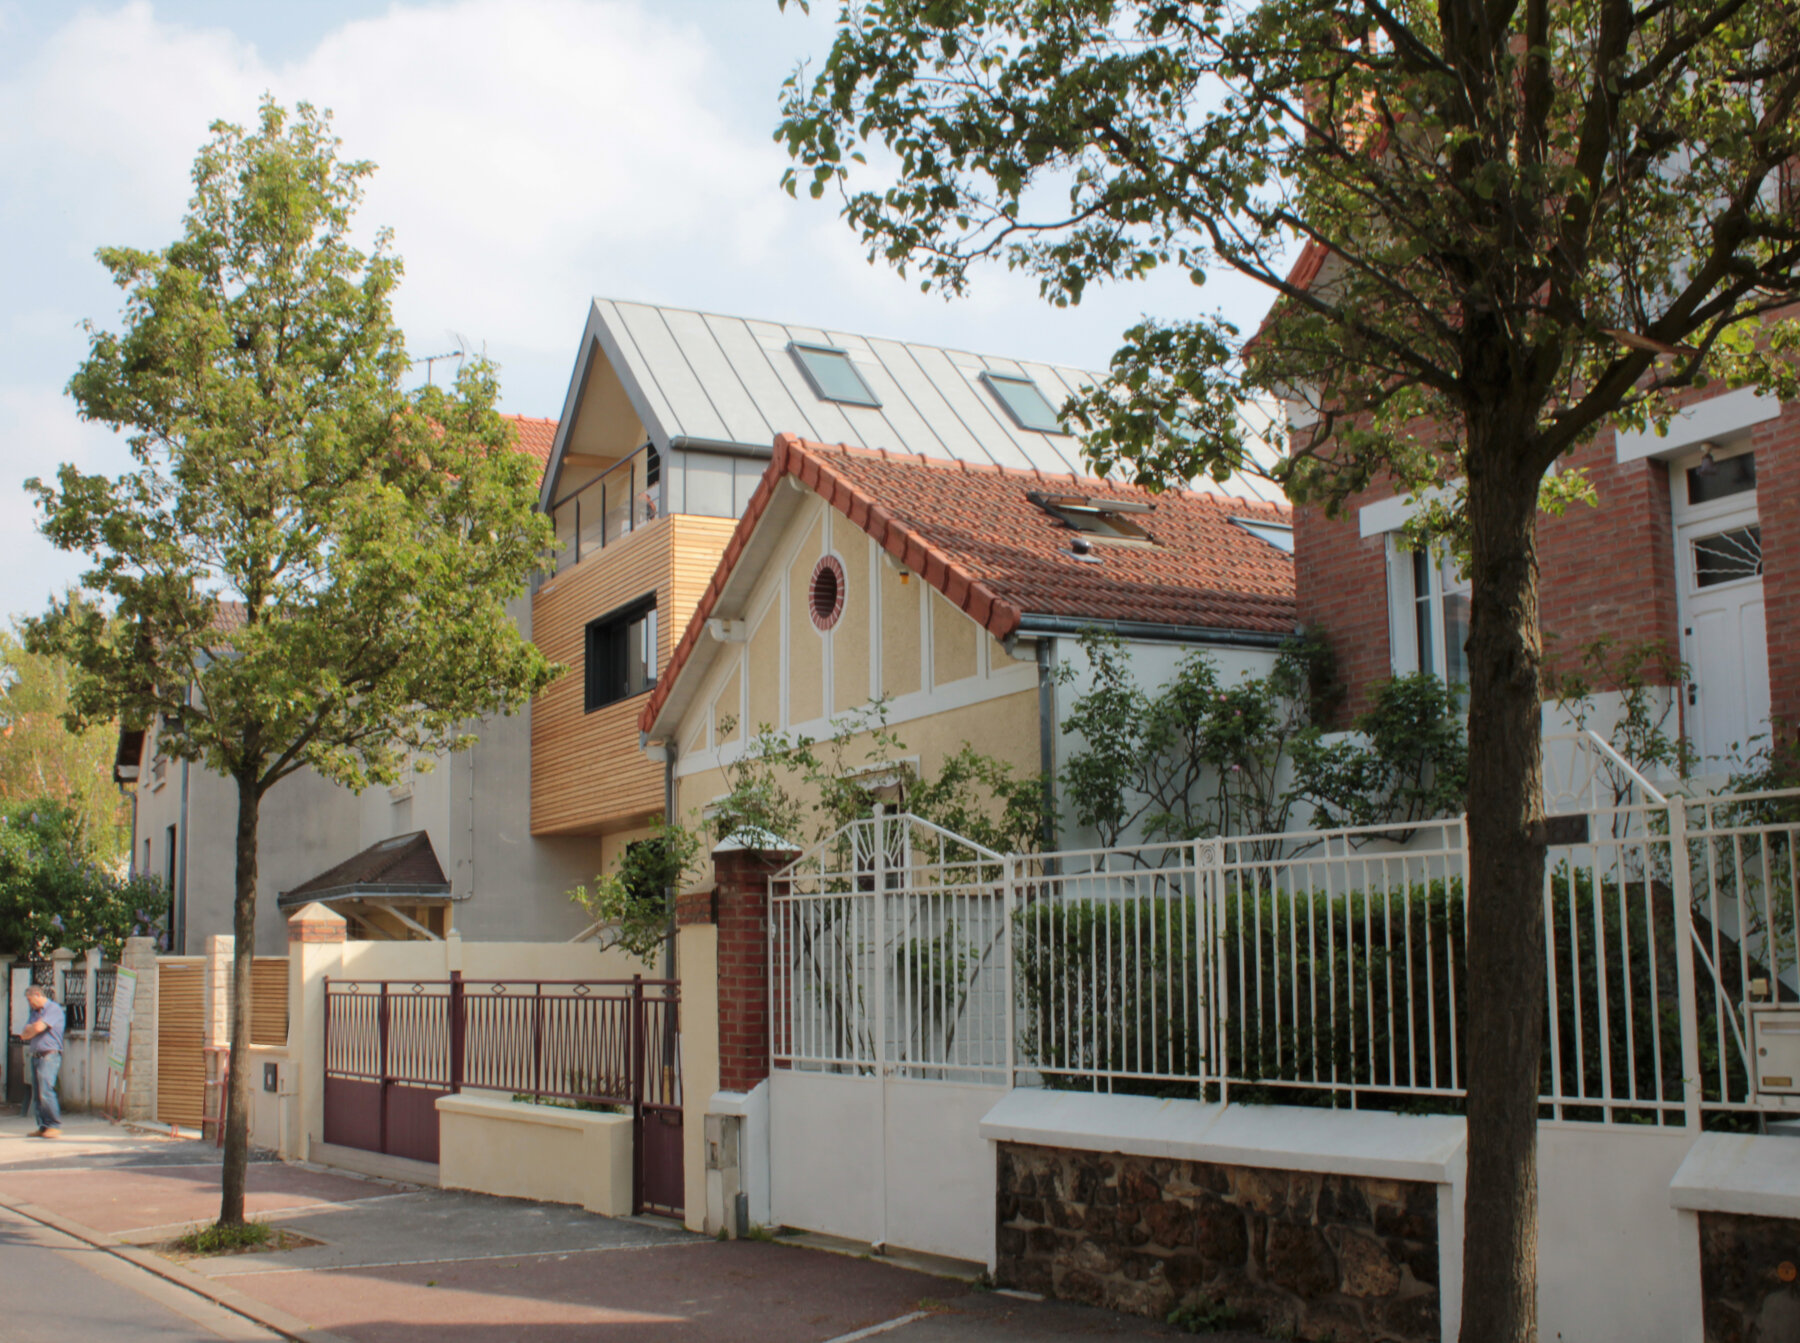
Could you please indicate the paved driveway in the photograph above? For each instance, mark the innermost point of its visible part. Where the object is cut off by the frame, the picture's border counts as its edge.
(399, 1264)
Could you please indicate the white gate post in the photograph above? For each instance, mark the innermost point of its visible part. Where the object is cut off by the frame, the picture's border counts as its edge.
(880, 978)
(1009, 981)
(1681, 882)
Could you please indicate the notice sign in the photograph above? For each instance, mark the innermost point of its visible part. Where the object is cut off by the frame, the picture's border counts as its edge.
(124, 995)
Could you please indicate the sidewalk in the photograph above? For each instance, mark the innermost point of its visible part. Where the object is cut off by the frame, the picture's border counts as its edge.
(400, 1264)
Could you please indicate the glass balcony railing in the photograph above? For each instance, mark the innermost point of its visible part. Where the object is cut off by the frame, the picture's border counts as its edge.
(611, 506)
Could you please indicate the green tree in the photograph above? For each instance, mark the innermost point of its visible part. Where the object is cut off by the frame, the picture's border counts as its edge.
(306, 567)
(1522, 220)
(55, 889)
(40, 758)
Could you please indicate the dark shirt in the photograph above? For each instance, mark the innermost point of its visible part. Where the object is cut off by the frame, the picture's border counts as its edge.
(50, 1041)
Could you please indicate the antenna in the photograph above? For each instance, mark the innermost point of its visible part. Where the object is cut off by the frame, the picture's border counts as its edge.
(460, 353)
(429, 359)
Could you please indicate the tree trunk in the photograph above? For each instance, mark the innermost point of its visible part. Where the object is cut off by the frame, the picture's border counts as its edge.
(1506, 973)
(243, 928)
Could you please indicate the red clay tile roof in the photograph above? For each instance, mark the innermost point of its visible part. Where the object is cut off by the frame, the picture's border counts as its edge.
(972, 533)
(534, 437)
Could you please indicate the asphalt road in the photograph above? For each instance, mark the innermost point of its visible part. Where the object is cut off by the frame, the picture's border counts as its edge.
(54, 1287)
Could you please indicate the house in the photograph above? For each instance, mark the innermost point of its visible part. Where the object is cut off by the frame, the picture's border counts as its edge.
(663, 444)
(664, 437)
(953, 592)
(1673, 552)
(462, 828)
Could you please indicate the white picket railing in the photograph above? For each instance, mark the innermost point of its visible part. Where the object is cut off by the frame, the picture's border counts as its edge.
(1274, 967)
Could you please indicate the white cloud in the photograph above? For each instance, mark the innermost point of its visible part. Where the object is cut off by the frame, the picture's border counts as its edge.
(531, 153)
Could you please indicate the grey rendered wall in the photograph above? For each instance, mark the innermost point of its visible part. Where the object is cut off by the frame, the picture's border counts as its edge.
(475, 805)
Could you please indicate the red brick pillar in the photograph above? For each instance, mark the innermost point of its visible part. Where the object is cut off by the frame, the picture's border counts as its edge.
(740, 908)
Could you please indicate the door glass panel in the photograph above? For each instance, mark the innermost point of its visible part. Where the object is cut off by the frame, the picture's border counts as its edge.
(1720, 480)
(1727, 557)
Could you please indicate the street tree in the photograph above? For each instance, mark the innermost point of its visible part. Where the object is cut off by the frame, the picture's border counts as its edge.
(1517, 222)
(306, 567)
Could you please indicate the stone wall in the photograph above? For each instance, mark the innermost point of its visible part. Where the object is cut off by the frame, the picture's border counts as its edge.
(1750, 1278)
(1295, 1254)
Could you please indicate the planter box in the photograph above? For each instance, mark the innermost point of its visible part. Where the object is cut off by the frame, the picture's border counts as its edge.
(541, 1152)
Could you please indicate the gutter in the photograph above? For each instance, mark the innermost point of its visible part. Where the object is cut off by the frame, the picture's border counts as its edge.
(724, 445)
(1031, 625)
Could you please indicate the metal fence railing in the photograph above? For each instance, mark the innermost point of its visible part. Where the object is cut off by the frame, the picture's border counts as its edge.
(600, 1042)
(1318, 967)
(890, 953)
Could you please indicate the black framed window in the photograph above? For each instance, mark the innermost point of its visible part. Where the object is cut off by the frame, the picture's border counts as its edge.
(621, 654)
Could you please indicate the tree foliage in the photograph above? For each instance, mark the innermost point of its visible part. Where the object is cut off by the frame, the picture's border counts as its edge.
(57, 890)
(1408, 760)
(797, 790)
(1196, 755)
(41, 759)
(307, 566)
(1516, 223)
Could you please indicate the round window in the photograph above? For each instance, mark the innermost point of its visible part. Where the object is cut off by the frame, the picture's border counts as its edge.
(826, 594)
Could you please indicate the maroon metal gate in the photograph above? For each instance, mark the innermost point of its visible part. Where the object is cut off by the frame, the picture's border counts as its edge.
(392, 1047)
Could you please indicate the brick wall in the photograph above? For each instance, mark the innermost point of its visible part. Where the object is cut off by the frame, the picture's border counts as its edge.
(739, 905)
(1608, 570)
(1777, 444)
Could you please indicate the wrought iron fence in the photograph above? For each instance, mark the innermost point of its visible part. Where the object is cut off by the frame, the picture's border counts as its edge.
(600, 1042)
(1321, 967)
(890, 947)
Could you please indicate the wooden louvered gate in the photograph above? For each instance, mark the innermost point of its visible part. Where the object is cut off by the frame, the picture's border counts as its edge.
(269, 1000)
(180, 1037)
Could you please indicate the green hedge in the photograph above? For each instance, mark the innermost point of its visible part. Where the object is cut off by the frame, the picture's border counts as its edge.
(1330, 1003)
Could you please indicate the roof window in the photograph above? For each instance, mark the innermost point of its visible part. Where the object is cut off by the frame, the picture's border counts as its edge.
(1028, 406)
(832, 375)
(1108, 519)
(1278, 534)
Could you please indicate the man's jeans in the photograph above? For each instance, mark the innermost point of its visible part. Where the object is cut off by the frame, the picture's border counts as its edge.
(44, 1068)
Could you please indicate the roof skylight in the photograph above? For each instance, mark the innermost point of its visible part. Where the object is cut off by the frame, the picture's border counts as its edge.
(1278, 534)
(1108, 519)
(1028, 406)
(832, 375)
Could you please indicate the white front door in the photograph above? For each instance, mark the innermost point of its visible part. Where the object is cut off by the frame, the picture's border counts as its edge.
(1719, 566)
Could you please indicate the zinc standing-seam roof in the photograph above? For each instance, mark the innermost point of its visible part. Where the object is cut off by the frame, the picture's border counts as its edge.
(707, 378)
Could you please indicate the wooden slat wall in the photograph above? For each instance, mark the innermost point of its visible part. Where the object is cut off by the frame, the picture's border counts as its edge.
(587, 771)
(180, 1033)
(269, 1000)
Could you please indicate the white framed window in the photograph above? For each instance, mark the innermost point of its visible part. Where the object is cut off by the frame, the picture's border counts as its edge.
(1428, 613)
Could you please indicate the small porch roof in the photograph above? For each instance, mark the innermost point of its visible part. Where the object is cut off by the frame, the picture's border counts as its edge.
(403, 867)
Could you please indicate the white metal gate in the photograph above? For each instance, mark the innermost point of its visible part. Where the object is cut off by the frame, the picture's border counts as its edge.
(891, 1002)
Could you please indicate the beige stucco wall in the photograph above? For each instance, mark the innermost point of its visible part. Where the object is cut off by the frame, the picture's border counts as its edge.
(944, 680)
(1005, 728)
(697, 954)
(542, 1152)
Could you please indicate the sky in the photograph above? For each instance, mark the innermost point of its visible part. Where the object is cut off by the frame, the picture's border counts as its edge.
(531, 154)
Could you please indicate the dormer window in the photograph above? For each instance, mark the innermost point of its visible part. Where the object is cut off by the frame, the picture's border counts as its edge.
(1107, 519)
(1028, 406)
(833, 376)
(1278, 534)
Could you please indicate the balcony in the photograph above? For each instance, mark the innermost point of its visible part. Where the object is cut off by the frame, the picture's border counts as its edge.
(608, 507)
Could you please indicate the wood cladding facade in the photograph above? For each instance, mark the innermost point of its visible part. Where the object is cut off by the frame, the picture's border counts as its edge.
(588, 774)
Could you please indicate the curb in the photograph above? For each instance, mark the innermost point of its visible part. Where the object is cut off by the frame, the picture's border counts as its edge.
(290, 1327)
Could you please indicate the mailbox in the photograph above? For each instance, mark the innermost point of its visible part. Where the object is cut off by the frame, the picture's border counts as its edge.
(1775, 1049)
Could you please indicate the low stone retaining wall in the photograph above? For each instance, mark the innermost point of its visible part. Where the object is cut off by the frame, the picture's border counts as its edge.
(542, 1152)
(1749, 1277)
(1313, 1256)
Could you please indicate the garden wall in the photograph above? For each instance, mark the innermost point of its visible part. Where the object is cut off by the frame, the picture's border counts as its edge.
(1296, 1253)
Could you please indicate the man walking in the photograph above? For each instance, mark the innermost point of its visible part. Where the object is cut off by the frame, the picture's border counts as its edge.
(43, 1036)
